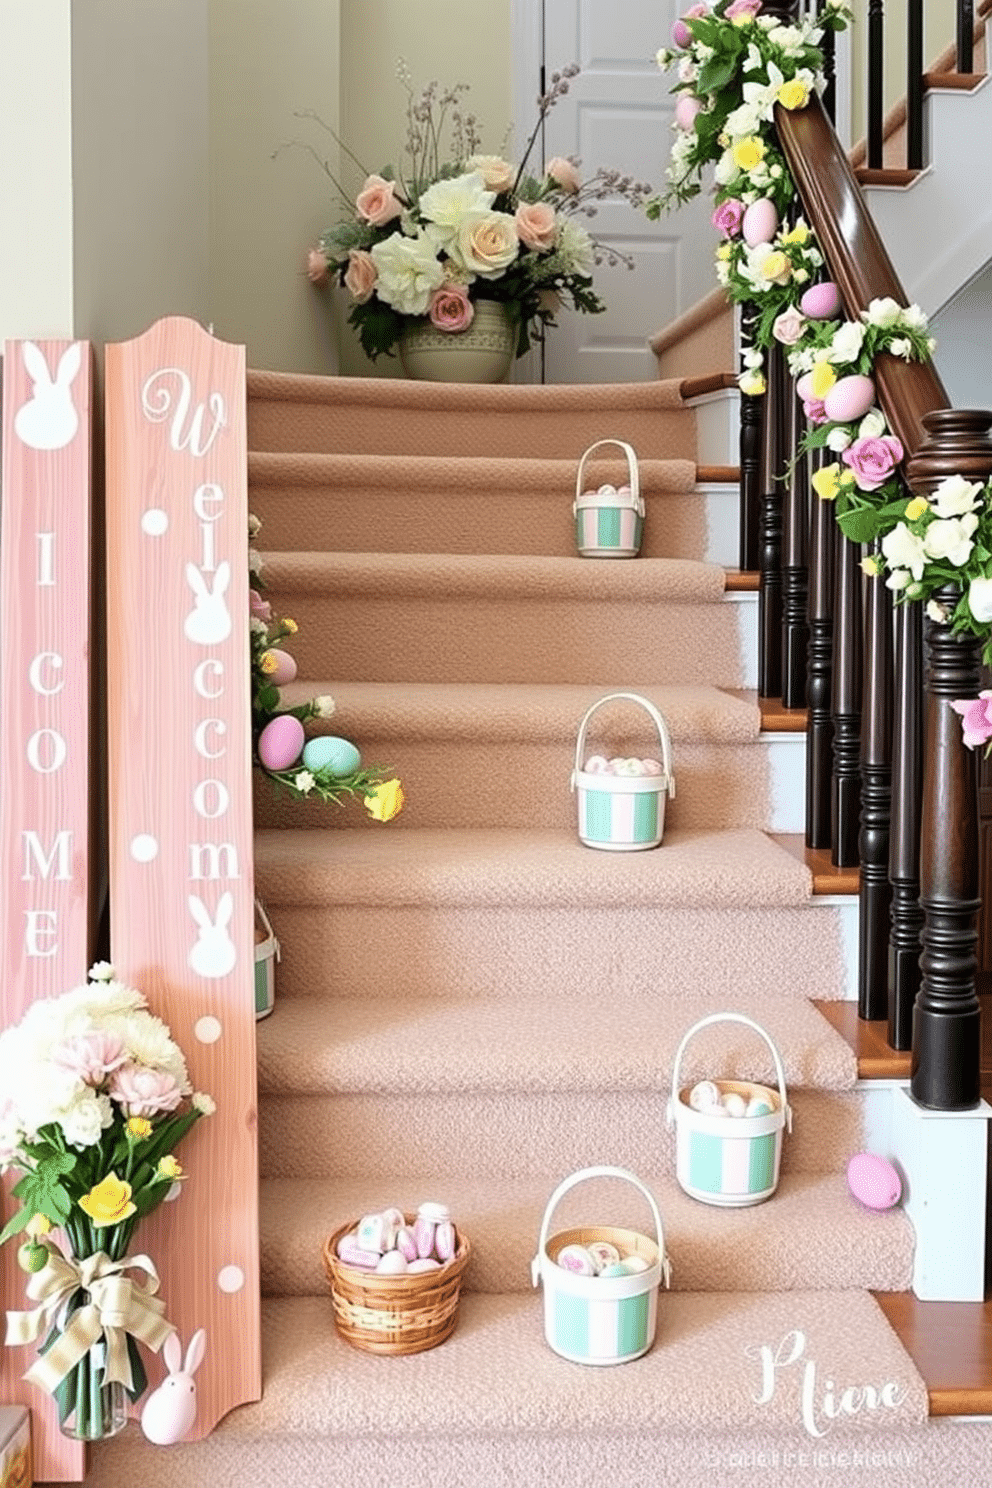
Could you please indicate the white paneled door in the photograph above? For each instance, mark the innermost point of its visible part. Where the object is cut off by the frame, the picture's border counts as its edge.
(618, 113)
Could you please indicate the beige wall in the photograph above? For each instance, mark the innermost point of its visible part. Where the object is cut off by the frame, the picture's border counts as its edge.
(269, 59)
(36, 243)
(463, 42)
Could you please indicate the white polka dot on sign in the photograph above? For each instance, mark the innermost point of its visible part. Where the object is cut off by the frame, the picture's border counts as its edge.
(231, 1279)
(208, 1030)
(155, 522)
(144, 847)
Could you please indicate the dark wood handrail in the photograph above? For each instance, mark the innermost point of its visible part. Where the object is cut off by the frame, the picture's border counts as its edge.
(859, 263)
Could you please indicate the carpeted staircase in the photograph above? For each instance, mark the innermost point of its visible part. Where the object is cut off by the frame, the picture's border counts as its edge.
(471, 1004)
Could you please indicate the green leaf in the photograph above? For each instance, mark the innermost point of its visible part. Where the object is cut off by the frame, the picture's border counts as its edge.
(15, 1224)
(860, 526)
(716, 74)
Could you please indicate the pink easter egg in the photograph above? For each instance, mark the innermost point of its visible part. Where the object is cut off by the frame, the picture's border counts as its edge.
(849, 399)
(681, 35)
(686, 109)
(873, 1181)
(285, 667)
(281, 742)
(804, 387)
(821, 301)
(651, 767)
(760, 222)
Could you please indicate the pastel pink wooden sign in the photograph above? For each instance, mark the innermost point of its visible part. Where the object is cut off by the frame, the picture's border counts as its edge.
(181, 862)
(46, 794)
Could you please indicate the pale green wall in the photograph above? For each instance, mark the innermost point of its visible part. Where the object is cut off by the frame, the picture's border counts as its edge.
(938, 32)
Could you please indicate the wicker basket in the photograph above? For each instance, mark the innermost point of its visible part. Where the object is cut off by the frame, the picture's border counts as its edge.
(394, 1314)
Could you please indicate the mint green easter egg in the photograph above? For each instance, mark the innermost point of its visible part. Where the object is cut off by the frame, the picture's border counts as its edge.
(337, 756)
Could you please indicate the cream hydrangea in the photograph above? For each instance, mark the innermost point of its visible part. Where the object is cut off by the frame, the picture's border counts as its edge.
(409, 271)
(446, 204)
(575, 248)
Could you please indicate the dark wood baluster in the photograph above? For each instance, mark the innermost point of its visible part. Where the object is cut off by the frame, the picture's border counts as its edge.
(876, 796)
(876, 51)
(845, 812)
(770, 543)
(795, 564)
(752, 442)
(966, 35)
(828, 46)
(946, 1062)
(819, 718)
(914, 85)
(904, 833)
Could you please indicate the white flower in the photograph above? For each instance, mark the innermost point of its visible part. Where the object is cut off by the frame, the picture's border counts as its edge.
(447, 203)
(789, 39)
(257, 627)
(203, 1103)
(901, 347)
(754, 61)
(743, 121)
(763, 96)
(254, 561)
(898, 579)
(486, 243)
(323, 706)
(663, 57)
(753, 358)
(101, 971)
(725, 169)
(799, 276)
(801, 361)
(776, 172)
(931, 345)
(408, 270)
(574, 246)
(304, 782)
(688, 71)
(884, 312)
(846, 344)
(254, 525)
(873, 425)
(937, 612)
(903, 549)
(950, 539)
(496, 172)
(913, 318)
(955, 496)
(838, 439)
(980, 599)
(85, 1120)
(150, 1043)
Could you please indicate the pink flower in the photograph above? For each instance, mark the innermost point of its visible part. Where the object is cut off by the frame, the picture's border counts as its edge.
(144, 1092)
(728, 217)
(450, 308)
(316, 267)
(90, 1056)
(814, 410)
(976, 719)
(681, 35)
(536, 225)
(258, 606)
(788, 327)
(741, 8)
(687, 107)
(873, 460)
(377, 203)
(564, 174)
(360, 275)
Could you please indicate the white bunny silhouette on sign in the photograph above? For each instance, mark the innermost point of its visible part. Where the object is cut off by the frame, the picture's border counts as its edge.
(169, 1413)
(48, 420)
(208, 622)
(214, 953)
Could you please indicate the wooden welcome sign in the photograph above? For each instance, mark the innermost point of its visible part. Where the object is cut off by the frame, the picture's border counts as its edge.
(181, 864)
(46, 787)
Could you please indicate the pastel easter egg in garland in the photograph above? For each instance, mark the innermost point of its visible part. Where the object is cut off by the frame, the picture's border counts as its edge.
(849, 399)
(760, 223)
(873, 1181)
(282, 667)
(338, 757)
(281, 742)
(686, 109)
(821, 301)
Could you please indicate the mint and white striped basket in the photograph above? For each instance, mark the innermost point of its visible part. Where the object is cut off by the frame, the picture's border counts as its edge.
(609, 524)
(623, 813)
(730, 1161)
(267, 953)
(600, 1319)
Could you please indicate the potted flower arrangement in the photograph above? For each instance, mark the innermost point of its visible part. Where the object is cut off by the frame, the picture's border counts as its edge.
(454, 237)
(95, 1099)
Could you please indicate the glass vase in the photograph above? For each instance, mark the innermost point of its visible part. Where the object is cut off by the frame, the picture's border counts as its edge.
(95, 1410)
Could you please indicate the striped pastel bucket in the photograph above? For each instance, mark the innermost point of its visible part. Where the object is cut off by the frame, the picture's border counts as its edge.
(623, 813)
(266, 955)
(609, 523)
(600, 1319)
(730, 1161)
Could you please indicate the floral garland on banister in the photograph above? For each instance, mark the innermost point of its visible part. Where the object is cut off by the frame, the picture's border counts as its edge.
(734, 65)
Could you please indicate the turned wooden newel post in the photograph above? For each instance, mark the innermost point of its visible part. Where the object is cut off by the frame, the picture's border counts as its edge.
(819, 685)
(947, 1020)
(770, 530)
(751, 446)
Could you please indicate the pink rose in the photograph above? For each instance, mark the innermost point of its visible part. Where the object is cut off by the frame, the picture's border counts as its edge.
(873, 460)
(741, 8)
(450, 308)
(814, 410)
(788, 327)
(728, 217)
(144, 1092)
(90, 1056)
(564, 174)
(536, 225)
(316, 267)
(681, 35)
(360, 275)
(976, 719)
(259, 607)
(377, 203)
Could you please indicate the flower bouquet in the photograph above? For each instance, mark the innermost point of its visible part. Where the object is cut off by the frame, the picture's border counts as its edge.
(425, 243)
(95, 1100)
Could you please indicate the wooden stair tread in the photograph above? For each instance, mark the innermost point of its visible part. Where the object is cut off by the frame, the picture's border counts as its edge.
(884, 176)
(774, 718)
(951, 1345)
(966, 81)
(827, 878)
(724, 475)
(869, 1040)
(740, 582)
(709, 382)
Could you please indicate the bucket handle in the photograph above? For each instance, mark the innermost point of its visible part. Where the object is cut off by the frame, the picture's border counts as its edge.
(267, 925)
(659, 723)
(633, 475)
(580, 1177)
(729, 1018)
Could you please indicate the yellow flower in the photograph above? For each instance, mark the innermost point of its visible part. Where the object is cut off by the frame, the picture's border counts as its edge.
(794, 94)
(752, 383)
(168, 1168)
(776, 267)
(799, 234)
(870, 566)
(748, 152)
(109, 1202)
(384, 801)
(826, 482)
(37, 1225)
(289, 626)
(916, 508)
(138, 1127)
(723, 252)
(822, 379)
(268, 662)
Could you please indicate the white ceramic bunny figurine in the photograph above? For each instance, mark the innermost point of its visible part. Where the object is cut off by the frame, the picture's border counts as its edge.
(214, 953)
(208, 622)
(48, 421)
(169, 1412)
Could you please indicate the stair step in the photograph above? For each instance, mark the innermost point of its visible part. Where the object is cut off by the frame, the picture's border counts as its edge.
(752, 1249)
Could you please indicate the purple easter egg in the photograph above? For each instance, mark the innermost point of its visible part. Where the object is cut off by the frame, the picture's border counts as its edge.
(821, 301)
(760, 222)
(281, 742)
(686, 109)
(285, 667)
(849, 399)
(804, 387)
(873, 1181)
